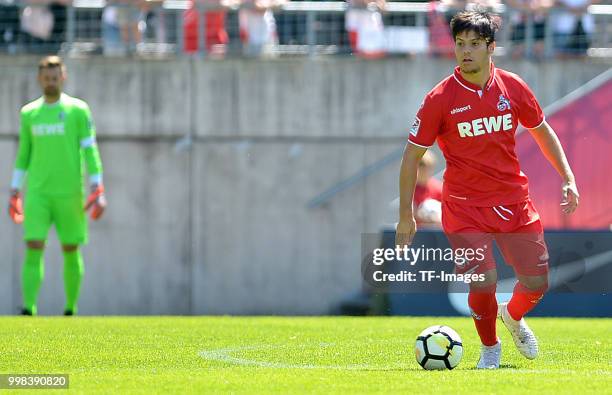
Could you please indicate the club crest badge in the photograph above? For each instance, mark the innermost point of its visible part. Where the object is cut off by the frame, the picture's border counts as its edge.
(503, 104)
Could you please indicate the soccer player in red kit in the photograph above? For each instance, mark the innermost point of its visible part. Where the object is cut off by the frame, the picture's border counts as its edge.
(473, 114)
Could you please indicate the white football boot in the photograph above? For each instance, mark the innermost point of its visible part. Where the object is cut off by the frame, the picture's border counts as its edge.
(523, 337)
(489, 356)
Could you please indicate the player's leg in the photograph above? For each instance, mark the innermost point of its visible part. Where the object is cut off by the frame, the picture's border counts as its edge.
(33, 274)
(36, 227)
(525, 250)
(73, 276)
(71, 224)
(462, 227)
(483, 305)
(528, 292)
(512, 314)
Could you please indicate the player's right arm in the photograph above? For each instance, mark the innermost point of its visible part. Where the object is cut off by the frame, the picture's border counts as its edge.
(406, 228)
(423, 134)
(22, 163)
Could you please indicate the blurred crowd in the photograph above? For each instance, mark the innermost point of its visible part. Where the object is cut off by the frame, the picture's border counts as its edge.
(39, 25)
(42, 26)
(569, 23)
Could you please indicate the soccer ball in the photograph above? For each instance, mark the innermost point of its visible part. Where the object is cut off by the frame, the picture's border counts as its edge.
(430, 211)
(438, 347)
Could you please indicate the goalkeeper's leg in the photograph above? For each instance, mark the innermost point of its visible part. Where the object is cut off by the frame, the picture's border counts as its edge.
(73, 276)
(36, 227)
(71, 226)
(32, 275)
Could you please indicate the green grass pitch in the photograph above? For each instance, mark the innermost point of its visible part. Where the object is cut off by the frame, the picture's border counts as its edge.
(295, 355)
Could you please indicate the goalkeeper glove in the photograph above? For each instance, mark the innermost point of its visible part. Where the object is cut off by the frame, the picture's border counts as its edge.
(96, 202)
(16, 207)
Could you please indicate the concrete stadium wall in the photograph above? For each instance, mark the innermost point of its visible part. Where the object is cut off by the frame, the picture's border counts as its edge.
(220, 226)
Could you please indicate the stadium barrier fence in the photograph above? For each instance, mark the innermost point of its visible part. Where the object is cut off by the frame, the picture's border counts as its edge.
(302, 27)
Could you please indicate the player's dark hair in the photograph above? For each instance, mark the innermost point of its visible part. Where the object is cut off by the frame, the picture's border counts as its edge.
(482, 23)
(51, 62)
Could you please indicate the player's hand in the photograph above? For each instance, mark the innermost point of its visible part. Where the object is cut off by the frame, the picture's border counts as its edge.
(16, 207)
(569, 201)
(404, 232)
(96, 201)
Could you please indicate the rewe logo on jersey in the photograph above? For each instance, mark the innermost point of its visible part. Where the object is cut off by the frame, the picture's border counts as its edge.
(480, 126)
(52, 129)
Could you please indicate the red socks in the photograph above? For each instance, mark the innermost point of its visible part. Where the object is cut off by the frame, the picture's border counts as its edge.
(483, 304)
(523, 300)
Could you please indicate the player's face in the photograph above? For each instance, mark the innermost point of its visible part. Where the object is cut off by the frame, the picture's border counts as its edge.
(472, 52)
(51, 81)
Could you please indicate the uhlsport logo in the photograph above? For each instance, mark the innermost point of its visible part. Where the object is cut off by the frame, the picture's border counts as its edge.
(503, 104)
(460, 109)
(476, 316)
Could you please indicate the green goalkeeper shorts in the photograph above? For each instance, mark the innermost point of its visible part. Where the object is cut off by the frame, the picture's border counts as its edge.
(66, 212)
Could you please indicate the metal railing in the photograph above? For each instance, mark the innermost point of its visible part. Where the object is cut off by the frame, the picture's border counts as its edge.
(302, 27)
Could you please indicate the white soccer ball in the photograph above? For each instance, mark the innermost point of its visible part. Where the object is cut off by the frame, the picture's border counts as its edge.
(438, 347)
(429, 211)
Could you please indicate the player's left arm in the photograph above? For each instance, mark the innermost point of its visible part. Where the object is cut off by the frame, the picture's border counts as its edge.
(97, 199)
(551, 147)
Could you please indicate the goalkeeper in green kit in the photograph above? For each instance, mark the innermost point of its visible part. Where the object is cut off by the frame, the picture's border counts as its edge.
(56, 141)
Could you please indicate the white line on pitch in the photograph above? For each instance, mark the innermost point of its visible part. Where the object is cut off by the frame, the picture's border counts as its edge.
(224, 355)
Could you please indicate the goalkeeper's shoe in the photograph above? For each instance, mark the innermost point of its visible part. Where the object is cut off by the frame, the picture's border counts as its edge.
(25, 311)
(523, 336)
(96, 201)
(16, 208)
(489, 356)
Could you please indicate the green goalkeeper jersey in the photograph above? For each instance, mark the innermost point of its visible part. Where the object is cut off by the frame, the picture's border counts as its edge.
(56, 141)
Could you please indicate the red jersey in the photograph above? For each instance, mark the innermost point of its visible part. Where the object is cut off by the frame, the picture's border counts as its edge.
(475, 129)
(215, 28)
(431, 190)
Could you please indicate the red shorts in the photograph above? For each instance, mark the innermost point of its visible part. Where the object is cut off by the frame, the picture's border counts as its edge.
(515, 227)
